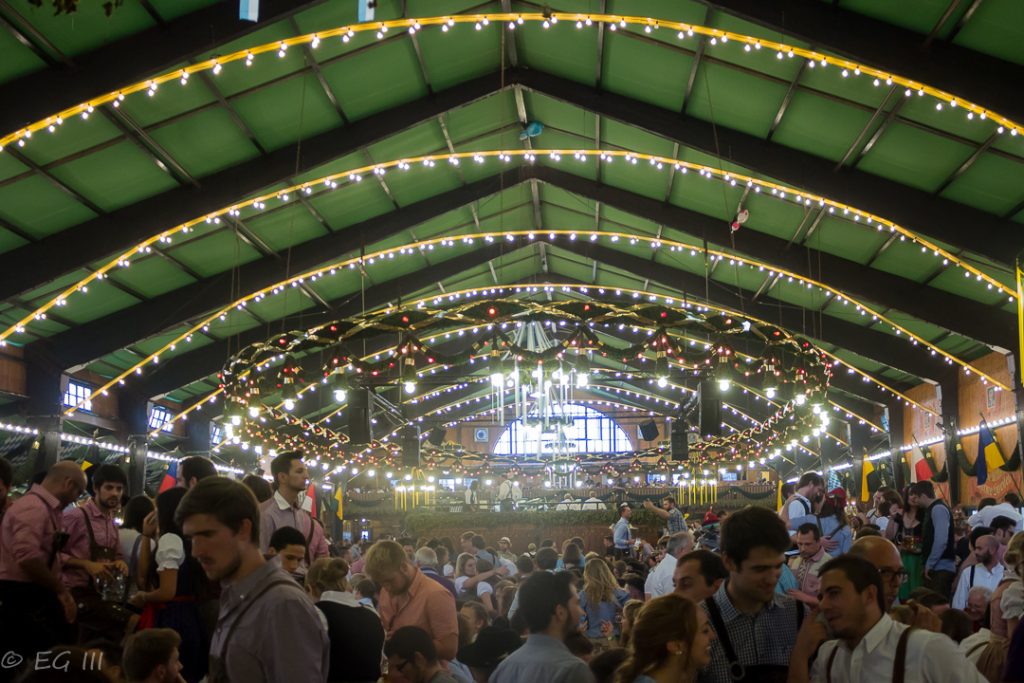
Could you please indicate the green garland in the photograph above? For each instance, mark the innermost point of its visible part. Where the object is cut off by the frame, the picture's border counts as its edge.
(423, 523)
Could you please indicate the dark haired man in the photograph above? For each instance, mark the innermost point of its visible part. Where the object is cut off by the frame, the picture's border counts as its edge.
(151, 656)
(801, 507)
(870, 646)
(812, 557)
(93, 552)
(551, 609)
(756, 627)
(411, 652)
(222, 518)
(937, 546)
(547, 561)
(620, 532)
(35, 606)
(290, 479)
(698, 575)
(193, 469)
(674, 521)
(287, 549)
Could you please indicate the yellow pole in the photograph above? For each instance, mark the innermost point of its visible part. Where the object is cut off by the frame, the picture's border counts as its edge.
(1020, 313)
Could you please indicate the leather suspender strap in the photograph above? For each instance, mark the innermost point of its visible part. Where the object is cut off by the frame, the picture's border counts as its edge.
(828, 667)
(252, 601)
(971, 584)
(309, 538)
(720, 630)
(899, 664)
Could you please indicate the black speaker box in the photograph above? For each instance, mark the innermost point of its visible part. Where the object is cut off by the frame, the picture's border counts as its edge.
(680, 444)
(436, 436)
(409, 440)
(649, 430)
(358, 410)
(710, 409)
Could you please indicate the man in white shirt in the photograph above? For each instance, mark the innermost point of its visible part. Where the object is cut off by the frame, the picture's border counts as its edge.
(659, 581)
(987, 573)
(870, 646)
(987, 514)
(800, 508)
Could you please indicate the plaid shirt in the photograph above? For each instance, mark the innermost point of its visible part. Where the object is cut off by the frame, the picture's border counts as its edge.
(676, 522)
(766, 638)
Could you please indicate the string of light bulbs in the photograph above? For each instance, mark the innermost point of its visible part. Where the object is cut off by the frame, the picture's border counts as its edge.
(303, 190)
(512, 21)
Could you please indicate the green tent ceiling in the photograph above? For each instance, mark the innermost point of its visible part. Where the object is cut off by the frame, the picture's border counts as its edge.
(73, 199)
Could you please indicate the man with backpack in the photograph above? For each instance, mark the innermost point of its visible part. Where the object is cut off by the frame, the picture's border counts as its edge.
(800, 507)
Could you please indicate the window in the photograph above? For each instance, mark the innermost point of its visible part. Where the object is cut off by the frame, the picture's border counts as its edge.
(78, 392)
(590, 431)
(216, 433)
(160, 418)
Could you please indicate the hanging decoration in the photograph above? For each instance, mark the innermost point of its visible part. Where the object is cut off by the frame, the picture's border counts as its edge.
(536, 353)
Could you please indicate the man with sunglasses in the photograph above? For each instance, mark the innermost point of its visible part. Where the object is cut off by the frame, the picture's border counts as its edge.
(35, 605)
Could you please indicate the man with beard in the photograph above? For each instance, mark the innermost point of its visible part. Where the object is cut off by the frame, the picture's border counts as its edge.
(267, 628)
(151, 656)
(800, 507)
(290, 479)
(551, 608)
(987, 572)
(409, 598)
(869, 645)
(93, 553)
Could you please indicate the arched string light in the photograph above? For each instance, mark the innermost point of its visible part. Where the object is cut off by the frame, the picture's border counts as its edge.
(684, 31)
(305, 189)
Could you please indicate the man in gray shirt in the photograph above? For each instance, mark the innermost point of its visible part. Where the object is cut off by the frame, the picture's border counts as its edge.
(267, 629)
(551, 609)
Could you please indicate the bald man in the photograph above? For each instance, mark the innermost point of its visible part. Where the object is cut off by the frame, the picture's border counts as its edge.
(987, 572)
(882, 553)
(35, 605)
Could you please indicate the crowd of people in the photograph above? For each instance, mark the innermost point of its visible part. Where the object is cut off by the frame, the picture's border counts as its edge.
(221, 580)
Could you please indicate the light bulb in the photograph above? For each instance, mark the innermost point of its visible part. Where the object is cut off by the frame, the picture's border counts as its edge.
(254, 411)
(289, 404)
(497, 379)
(662, 382)
(236, 420)
(371, 473)
(340, 395)
(410, 387)
(800, 399)
(582, 380)
(723, 385)
(770, 392)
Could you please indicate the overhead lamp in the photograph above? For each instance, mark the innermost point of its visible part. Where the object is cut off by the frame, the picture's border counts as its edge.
(339, 385)
(663, 382)
(410, 387)
(288, 393)
(582, 379)
(233, 412)
(497, 379)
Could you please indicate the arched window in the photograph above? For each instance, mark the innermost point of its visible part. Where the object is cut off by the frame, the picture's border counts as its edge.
(590, 432)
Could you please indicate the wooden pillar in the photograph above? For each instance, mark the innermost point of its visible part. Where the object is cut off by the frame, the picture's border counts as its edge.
(949, 400)
(894, 413)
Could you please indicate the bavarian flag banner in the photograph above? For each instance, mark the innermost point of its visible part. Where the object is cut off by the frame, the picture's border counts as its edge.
(867, 479)
(990, 457)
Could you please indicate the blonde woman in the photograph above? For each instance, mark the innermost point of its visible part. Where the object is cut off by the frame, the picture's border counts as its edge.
(472, 584)
(601, 600)
(629, 612)
(671, 642)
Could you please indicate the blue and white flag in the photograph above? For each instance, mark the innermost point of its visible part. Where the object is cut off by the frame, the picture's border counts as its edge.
(366, 10)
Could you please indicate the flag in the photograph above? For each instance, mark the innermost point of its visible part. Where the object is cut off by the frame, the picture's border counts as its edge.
(867, 476)
(990, 457)
(339, 496)
(309, 502)
(1013, 463)
(922, 465)
(170, 479)
(366, 10)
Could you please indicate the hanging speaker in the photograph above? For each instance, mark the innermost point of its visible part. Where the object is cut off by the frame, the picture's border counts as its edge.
(649, 430)
(680, 442)
(710, 409)
(409, 440)
(359, 416)
(436, 436)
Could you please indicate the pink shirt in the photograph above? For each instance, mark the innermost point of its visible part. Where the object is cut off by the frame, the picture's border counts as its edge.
(278, 512)
(27, 533)
(78, 540)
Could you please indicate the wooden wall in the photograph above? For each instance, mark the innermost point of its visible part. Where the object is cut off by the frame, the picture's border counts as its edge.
(974, 400)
